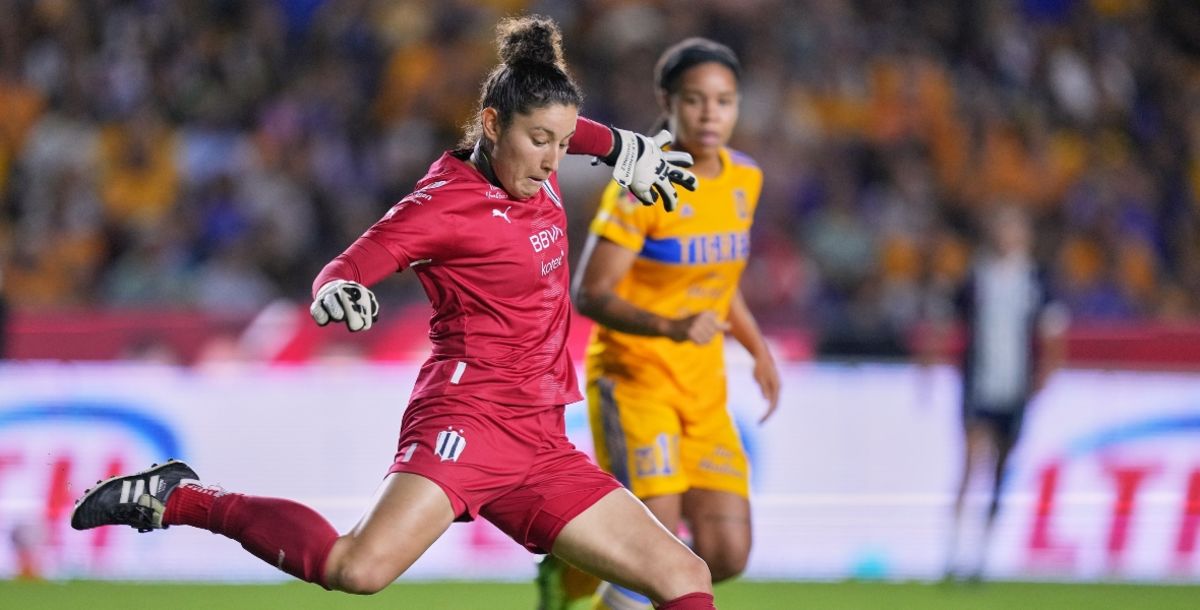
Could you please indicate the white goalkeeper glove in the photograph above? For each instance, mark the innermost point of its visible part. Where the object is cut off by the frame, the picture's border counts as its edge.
(649, 172)
(345, 301)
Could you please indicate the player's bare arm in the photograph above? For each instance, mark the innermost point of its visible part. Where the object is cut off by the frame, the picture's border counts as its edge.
(604, 263)
(745, 329)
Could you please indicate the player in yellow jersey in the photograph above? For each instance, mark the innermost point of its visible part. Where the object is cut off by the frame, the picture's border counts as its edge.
(663, 289)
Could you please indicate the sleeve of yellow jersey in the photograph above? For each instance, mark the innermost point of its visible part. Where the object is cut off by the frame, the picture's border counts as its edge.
(622, 219)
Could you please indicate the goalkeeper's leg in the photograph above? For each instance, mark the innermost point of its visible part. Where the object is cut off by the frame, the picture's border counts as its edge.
(618, 540)
(720, 532)
(562, 586)
(408, 514)
(286, 534)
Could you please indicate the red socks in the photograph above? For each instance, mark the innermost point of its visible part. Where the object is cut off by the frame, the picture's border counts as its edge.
(691, 601)
(283, 533)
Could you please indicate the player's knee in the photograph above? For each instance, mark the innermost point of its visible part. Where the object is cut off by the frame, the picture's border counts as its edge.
(691, 574)
(362, 577)
(726, 556)
(699, 574)
(727, 565)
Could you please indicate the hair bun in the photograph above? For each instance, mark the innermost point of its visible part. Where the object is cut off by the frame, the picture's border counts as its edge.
(530, 39)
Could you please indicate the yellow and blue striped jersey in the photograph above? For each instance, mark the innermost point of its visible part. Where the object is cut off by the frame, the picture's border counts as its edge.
(689, 260)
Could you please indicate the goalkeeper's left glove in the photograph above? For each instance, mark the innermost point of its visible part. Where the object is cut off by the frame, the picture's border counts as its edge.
(345, 301)
(649, 172)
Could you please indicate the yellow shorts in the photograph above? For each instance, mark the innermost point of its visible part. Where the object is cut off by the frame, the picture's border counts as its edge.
(656, 446)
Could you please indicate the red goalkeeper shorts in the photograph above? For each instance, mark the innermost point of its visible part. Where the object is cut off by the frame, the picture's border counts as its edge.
(514, 466)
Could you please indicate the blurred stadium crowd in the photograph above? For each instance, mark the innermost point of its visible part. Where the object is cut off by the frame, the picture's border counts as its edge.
(214, 154)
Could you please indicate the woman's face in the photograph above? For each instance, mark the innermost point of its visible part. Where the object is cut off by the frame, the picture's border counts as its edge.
(1011, 234)
(529, 149)
(704, 109)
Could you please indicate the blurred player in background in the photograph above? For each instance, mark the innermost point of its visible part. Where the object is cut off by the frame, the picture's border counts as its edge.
(1013, 344)
(3, 318)
(663, 289)
(484, 431)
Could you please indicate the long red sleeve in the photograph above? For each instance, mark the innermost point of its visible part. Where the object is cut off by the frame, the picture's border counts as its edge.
(365, 262)
(591, 138)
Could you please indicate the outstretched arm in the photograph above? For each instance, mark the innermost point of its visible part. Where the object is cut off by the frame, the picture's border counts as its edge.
(340, 292)
(365, 261)
(591, 138)
(639, 162)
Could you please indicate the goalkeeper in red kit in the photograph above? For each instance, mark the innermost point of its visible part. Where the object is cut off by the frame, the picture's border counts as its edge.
(483, 433)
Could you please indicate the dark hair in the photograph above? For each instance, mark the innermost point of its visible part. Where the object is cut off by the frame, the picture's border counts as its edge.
(531, 74)
(686, 54)
(691, 52)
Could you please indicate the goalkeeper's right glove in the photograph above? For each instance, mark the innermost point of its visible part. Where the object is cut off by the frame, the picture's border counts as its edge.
(642, 166)
(345, 301)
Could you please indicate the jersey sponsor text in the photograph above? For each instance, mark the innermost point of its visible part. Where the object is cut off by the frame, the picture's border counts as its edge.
(545, 238)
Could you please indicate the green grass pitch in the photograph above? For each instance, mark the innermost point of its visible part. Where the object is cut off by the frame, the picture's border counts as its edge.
(88, 595)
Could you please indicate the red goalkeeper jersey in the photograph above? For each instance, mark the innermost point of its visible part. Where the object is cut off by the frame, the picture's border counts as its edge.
(495, 271)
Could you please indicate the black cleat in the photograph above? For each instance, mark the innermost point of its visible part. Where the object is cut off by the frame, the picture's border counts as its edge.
(136, 500)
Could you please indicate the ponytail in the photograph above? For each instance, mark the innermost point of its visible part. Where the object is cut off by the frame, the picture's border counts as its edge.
(532, 74)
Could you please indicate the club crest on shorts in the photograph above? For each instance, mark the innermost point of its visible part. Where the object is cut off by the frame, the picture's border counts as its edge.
(450, 444)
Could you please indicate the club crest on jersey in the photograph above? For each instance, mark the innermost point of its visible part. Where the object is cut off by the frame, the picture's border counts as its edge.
(743, 207)
(450, 444)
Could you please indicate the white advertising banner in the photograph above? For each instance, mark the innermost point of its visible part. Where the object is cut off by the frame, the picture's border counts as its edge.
(852, 477)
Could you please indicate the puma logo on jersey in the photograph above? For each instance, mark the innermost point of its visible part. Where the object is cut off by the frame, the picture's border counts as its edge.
(504, 214)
